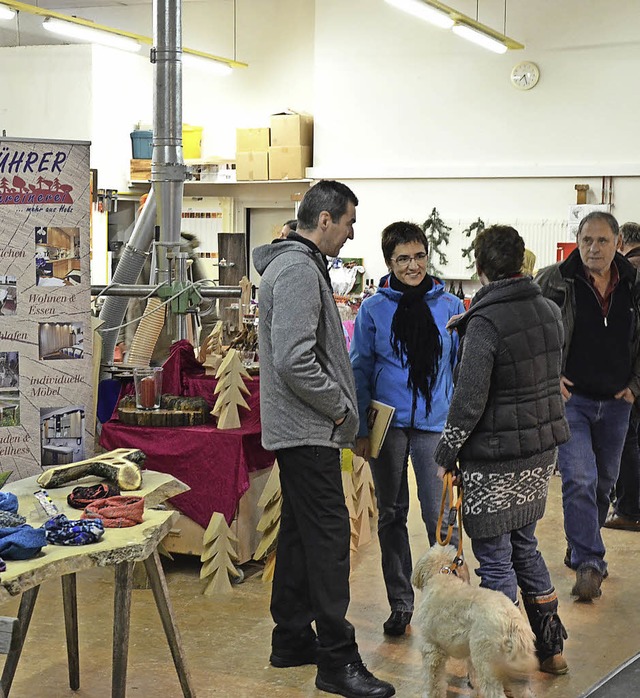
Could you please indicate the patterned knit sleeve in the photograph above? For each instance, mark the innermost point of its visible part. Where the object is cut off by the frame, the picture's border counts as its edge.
(472, 388)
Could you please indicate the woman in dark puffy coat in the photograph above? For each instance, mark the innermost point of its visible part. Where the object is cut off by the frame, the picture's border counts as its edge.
(504, 425)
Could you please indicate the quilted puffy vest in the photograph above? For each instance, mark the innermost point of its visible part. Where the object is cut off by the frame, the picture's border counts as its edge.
(524, 414)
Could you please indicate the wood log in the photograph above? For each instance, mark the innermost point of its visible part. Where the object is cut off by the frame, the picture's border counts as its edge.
(174, 411)
(116, 466)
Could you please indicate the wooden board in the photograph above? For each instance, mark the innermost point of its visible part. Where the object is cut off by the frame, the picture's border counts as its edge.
(140, 169)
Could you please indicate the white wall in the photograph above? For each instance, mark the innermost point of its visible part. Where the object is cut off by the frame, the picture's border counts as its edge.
(95, 93)
(413, 117)
(275, 37)
(122, 95)
(45, 92)
(400, 93)
(410, 115)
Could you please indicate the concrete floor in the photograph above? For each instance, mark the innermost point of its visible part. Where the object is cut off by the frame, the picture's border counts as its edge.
(226, 639)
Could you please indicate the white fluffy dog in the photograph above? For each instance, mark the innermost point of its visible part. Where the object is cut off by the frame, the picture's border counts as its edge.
(458, 620)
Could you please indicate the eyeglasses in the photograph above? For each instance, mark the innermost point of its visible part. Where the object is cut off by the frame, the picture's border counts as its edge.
(404, 260)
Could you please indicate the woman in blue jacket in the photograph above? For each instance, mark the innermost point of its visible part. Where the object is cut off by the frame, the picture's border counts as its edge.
(402, 355)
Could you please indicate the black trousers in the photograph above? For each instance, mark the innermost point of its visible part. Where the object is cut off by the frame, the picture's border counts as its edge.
(628, 485)
(311, 578)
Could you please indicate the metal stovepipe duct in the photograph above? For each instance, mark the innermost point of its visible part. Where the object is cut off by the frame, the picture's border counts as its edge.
(129, 267)
(167, 169)
(167, 165)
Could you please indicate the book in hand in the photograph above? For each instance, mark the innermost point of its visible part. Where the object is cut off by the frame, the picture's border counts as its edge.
(379, 418)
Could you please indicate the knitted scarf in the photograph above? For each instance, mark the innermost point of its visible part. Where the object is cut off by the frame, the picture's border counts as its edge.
(61, 531)
(415, 339)
(81, 497)
(116, 512)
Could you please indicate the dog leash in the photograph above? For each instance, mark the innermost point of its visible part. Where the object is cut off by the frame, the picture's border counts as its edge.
(455, 511)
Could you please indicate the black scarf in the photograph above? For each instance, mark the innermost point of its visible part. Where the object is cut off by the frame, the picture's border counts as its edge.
(415, 339)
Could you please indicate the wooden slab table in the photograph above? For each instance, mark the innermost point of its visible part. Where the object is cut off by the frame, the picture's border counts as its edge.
(120, 548)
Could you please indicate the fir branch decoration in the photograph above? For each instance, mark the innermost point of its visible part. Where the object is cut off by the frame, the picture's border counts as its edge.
(437, 232)
(474, 229)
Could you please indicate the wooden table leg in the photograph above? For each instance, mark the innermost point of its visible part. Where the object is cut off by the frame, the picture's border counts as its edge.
(70, 605)
(27, 603)
(121, 616)
(161, 595)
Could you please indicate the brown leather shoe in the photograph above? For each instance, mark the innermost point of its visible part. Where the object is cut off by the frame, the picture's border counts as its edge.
(556, 665)
(622, 523)
(587, 586)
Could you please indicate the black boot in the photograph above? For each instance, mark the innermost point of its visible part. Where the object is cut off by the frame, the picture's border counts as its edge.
(542, 611)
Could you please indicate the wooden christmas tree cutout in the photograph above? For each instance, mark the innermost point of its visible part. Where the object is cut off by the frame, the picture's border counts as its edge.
(211, 352)
(364, 500)
(229, 389)
(269, 524)
(218, 557)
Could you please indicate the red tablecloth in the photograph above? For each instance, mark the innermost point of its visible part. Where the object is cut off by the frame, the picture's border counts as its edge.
(215, 463)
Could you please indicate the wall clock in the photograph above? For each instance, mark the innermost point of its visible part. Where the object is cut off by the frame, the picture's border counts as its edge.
(525, 75)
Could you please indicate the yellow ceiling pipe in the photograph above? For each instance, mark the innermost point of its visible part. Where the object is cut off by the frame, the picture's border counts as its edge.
(39, 11)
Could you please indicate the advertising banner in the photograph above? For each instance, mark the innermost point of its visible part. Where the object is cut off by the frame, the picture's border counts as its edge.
(46, 391)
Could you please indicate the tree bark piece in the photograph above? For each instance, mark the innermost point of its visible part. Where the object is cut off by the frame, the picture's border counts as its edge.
(120, 467)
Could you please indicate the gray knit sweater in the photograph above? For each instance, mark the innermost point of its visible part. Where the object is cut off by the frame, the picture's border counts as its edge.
(306, 381)
(506, 416)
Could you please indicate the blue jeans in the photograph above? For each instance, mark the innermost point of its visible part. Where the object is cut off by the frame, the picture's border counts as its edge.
(392, 493)
(589, 464)
(510, 561)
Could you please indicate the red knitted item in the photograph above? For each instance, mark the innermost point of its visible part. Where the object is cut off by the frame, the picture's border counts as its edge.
(116, 512)
(80, 497)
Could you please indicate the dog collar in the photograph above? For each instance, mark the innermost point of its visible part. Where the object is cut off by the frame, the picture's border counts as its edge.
(451, 569)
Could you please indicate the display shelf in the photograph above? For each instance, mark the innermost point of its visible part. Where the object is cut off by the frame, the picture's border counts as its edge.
(136, 187)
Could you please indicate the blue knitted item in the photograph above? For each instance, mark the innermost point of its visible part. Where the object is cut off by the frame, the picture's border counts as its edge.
(61, 531)
(21, 542)
(8, 502)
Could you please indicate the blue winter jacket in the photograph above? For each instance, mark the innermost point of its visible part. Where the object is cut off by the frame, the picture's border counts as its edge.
(378, 372)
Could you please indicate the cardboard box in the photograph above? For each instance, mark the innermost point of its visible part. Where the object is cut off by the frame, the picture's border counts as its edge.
(291, 129)
(252, 139)
(289, 162)
(252, 166)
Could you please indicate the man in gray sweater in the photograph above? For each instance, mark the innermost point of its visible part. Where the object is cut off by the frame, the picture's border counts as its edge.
(309, 412)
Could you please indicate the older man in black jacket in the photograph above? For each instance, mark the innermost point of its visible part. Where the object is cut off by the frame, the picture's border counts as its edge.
(598, 291)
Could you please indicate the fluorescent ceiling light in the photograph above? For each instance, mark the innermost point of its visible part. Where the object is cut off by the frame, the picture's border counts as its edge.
(86, 30)
(480, 38)
(209, 65)
(447, 17)
(94, 36)
(6, 14)
(417, 8)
